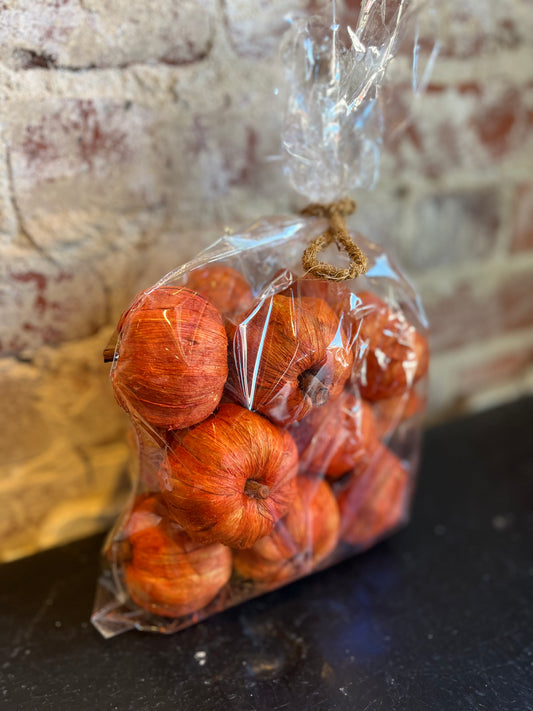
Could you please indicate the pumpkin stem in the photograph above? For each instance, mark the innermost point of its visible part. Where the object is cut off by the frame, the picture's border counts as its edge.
(109, 350)
(109, 354)
(254, 488)
(313, 388)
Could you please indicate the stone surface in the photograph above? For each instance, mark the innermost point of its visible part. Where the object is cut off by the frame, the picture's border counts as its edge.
(76, 393)
(44, 506)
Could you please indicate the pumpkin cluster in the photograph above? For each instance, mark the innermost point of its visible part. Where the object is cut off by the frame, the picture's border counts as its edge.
(262, 427)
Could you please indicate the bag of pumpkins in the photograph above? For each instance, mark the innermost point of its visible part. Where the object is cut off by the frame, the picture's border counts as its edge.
(274, 385)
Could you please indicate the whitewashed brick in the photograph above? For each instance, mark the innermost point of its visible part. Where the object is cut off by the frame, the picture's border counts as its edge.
(98, 33)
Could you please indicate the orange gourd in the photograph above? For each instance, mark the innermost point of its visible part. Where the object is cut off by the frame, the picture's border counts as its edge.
(299, 542)
(230, 478)
(222, 286)
(167, 572)
(373, 500)
(287, 356)
(172, 358)
(332, 440)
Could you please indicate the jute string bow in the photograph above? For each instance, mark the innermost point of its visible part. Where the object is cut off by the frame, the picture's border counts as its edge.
(336, 212)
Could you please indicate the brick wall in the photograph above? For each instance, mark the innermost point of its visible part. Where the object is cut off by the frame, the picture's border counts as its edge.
(133, 132)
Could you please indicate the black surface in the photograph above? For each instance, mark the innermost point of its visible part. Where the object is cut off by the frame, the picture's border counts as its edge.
(438, 617)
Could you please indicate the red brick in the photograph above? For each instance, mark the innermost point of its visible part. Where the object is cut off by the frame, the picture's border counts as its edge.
(497, 369)
(90, 173)
(79, 167)
(456, 318)
(254, 26)
(47, 305)
(416, 137)
(229, 144)
(452, 228)
(522, 218)
(466, 127)
(467, 29)
(515, 302)
(501, 124)
(66, 136)
(397, 133)
(476, 311)
(69, 34)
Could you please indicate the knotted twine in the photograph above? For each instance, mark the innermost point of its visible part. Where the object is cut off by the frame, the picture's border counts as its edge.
(336, 212)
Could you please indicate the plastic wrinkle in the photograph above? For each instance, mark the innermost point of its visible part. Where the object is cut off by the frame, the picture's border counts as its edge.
(336, 110)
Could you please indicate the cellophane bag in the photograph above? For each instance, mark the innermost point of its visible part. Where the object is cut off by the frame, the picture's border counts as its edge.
(274, 397)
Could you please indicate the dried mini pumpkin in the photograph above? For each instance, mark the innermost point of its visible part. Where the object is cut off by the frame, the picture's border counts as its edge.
(390, 413)
(396, 355)
(167, 572)
(171, 364)
(373, 500)
(287, 355)
(230, 478)
(332, 440)
(224, 287)
(299, 542)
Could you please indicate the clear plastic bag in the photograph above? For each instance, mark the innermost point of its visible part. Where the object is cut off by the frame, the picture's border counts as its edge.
(275, 399)
(296, 451)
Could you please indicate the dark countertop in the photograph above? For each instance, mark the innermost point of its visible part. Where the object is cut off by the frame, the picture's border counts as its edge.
(440, 617)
